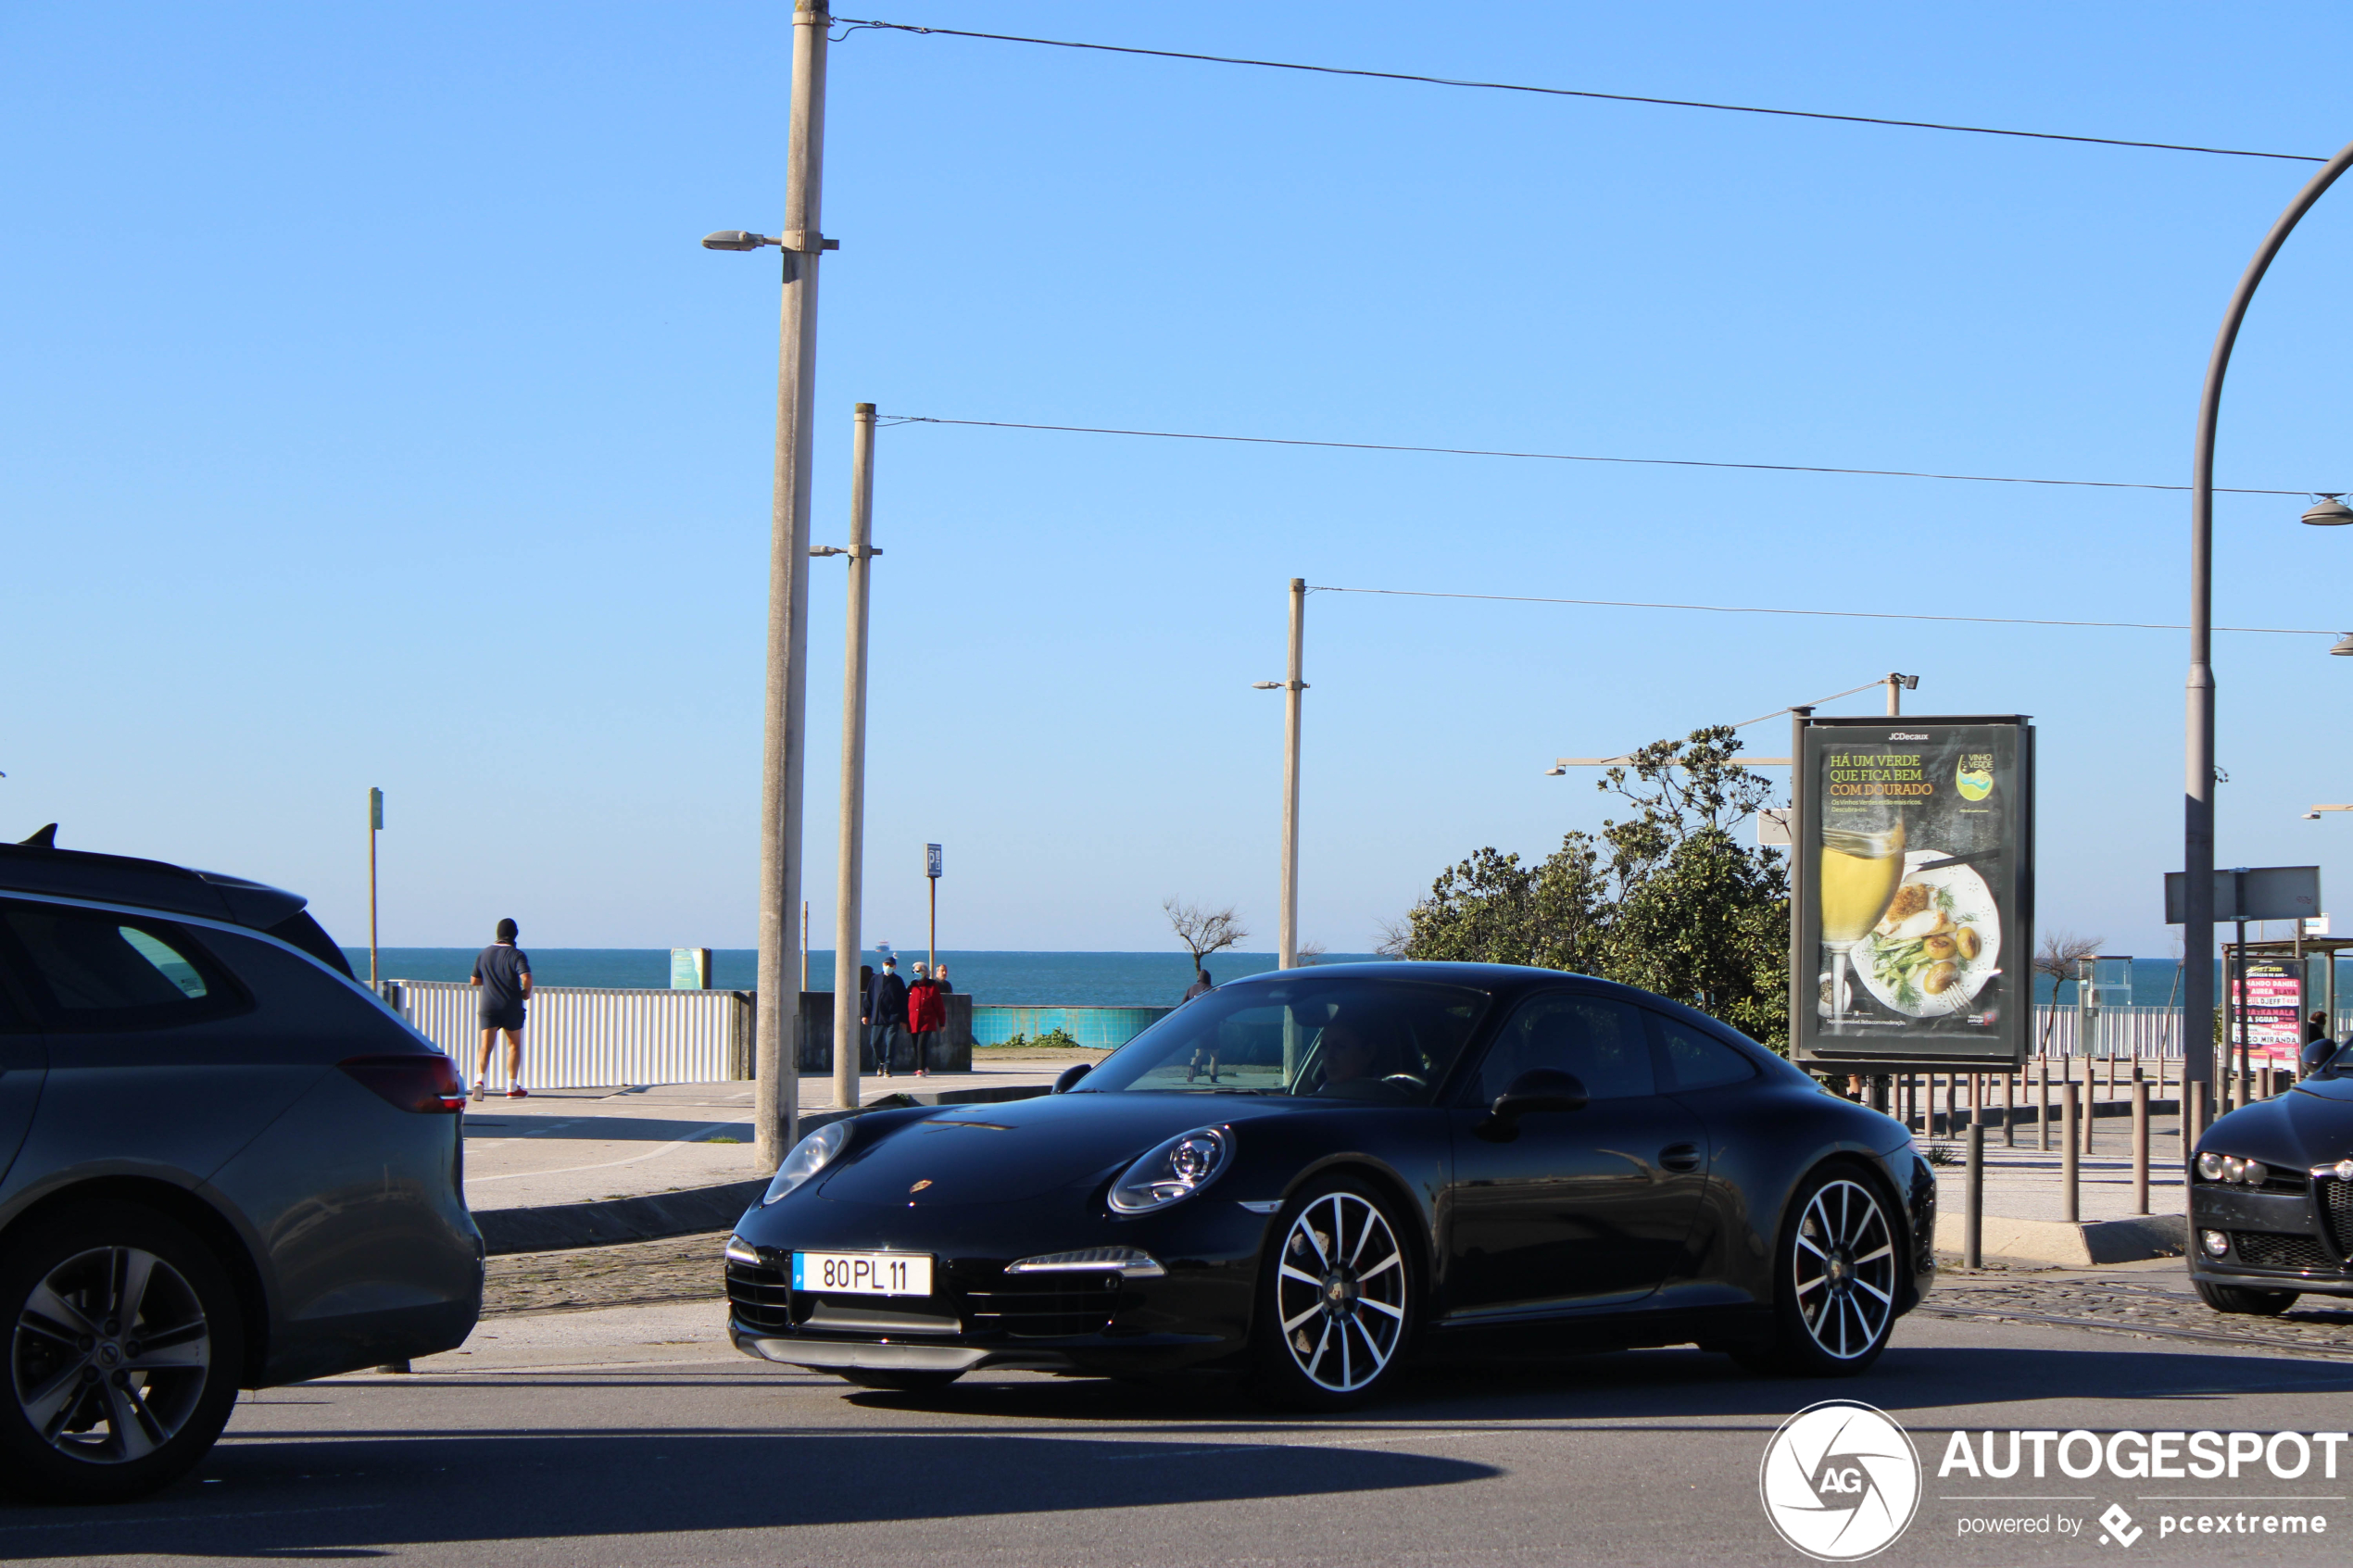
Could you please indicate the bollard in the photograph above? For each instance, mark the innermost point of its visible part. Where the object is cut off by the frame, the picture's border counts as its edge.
(2067, 1158)
(1972, 1250)
(2140, 1143)
(1952, 1105)
(2043, 1109)
(2091, 1117)
(2009, 1109)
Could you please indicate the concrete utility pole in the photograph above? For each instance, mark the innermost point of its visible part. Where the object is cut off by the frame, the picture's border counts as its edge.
(851, 885)
(1287, 940)
(2198, 796)
(1897, 687)
(776, 1114)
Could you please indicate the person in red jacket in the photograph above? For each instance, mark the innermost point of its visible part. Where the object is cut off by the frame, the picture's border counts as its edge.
(926, 1016)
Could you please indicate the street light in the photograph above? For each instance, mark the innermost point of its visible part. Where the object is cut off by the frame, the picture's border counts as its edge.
(2343, 644)
(2330, 512)
(2197, 806)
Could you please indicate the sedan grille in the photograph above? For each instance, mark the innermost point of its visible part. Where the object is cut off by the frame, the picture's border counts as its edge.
(760, 1296)
(2337, 1212)
(2268, 1249)
(1043, 1306)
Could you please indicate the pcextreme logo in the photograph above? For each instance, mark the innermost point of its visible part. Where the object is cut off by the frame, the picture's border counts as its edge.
(1840, 1481)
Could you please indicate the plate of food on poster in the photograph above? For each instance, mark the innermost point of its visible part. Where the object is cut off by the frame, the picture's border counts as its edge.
(1939, 942)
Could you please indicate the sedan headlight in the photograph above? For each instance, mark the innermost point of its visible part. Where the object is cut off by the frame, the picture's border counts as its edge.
(1173, 1172)
(2216, 1167)
(809, 1155)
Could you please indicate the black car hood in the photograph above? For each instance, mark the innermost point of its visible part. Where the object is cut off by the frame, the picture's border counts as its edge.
(2311, 1124)
(1023, 1148)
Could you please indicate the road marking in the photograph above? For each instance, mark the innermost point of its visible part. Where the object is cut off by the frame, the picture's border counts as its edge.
(695, 1136)
(198, 1518)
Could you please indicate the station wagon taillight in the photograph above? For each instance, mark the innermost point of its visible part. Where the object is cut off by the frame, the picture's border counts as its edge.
(412, 1083)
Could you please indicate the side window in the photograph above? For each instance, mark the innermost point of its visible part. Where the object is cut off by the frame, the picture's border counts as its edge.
(1599, 1041)
(90, 969)
(1699, 1061)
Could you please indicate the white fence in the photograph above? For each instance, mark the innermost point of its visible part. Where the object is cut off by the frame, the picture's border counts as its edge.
(581, 1037)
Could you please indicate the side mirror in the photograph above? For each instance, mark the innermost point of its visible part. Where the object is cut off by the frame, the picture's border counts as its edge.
(1068, 1078)
(2316, 1056)
(1541, 1088)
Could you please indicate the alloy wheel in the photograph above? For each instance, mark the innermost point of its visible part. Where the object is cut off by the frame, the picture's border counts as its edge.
(1845, 1270)
(110, 1355)
(1339, 1288)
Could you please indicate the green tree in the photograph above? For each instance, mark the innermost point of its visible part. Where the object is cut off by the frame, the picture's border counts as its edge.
(1678, 905)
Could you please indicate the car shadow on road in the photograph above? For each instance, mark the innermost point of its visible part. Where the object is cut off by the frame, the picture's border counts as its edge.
(293, 1495)
(1662, 1386)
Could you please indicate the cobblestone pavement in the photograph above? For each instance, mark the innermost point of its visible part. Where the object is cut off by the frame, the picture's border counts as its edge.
(2156, 1304)
(685, 1268)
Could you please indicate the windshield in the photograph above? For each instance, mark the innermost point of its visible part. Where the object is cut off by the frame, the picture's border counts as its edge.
(1389, 1041)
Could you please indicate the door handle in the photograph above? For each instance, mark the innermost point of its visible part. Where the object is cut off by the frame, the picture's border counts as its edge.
(1679, 1157)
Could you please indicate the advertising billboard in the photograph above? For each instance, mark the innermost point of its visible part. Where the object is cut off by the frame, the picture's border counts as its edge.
(1915, 869)
(2268, 994)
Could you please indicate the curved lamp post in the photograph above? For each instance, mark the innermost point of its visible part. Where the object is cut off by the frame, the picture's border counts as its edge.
(2197, 814)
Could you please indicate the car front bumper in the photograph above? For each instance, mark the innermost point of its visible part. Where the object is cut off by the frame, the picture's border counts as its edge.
(1196, 1311)
(2278, 1240)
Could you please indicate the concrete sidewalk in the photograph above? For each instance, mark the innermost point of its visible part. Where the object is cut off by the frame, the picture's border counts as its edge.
(2025, 1198)
(539, 1170)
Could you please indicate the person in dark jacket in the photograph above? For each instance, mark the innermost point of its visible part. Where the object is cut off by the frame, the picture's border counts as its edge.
(1206, 1054)
(926, 1016)
(885, 1017)
(502, 971)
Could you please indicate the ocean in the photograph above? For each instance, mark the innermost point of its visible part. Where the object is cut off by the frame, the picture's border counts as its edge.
(1020, 979)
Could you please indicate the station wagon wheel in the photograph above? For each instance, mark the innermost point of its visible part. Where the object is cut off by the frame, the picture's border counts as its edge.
(1337, 1303)
(1836, 1286)
(124, 1346)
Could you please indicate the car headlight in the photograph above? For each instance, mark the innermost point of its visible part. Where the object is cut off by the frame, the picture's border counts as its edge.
(809, 1155)
(2214, 1167)
(1173, 1172)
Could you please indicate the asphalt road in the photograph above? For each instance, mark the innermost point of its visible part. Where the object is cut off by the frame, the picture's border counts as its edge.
(631, 1434)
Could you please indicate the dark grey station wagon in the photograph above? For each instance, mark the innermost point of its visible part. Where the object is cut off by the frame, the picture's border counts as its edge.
(223, 1164)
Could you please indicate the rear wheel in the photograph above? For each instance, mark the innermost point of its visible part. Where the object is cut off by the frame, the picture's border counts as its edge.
(124, 1349)
(1834, 1281)
(2238, 1299)
(1335, 1303)
(900, 1381)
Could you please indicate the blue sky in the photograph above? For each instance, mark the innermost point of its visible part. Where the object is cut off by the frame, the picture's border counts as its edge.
(373, 419)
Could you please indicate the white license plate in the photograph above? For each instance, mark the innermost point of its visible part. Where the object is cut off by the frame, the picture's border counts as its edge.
(863, 1273)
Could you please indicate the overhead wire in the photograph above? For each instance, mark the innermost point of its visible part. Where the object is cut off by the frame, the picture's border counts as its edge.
(854, 25)
(1828, 614)
(1574, 456)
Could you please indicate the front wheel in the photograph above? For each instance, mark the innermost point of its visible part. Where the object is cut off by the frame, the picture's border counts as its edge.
(1335, 1299)
(124, 1347)
(1834, 1282)
(2239, 1299)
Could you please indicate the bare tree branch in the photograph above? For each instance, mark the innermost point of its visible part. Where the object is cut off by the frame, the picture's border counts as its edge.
(2058, 955)
(1202, 931)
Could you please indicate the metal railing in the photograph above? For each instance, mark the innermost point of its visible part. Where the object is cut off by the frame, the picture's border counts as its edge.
(581, 1037)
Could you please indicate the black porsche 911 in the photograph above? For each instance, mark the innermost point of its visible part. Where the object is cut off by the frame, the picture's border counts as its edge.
(2271, 1194)
(1310, 1174)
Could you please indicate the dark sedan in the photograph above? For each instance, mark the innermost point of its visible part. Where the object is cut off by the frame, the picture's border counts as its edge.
(2271, 1194)
(222, 1164)
(1311, 1174)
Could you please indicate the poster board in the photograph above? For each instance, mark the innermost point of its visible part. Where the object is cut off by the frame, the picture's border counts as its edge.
(1915, 894)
